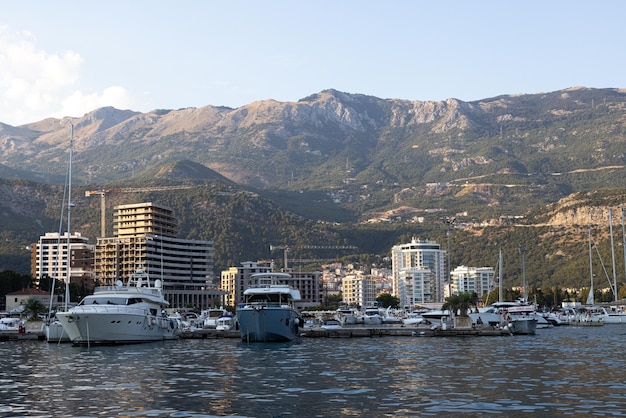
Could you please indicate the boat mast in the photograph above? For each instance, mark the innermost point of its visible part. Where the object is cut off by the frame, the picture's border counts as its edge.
(624, 240)
(590, 299)
(69, 216)
(500, 287)
(613, 255)
(522, 250)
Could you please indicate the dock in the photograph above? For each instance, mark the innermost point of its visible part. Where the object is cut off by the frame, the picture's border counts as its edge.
(356, 332)
(34, 333)
(31, 332)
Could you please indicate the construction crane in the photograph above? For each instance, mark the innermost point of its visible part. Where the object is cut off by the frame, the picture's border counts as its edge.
(104, 192)
(287, 248)
(102, 208)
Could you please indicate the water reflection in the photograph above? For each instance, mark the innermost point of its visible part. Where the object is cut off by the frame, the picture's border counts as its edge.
(558, 372)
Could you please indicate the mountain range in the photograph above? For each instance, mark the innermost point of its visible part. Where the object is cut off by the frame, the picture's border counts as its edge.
(335, 157)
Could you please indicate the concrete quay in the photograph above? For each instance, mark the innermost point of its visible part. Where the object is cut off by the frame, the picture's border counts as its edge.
(361, 332)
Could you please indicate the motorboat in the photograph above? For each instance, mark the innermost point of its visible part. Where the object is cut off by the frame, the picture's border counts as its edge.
(436, 315)
(371, 316)
(517, 317)
(212, 315)
(614, 315)
(124, 313)
(390, 318)
(11, 324)
(225, 323)
(521, 319)
(347, 316)
(330, 324)
(268, 313)
(413, 318)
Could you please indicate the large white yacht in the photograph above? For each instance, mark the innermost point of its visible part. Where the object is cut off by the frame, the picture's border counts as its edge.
(125, 313)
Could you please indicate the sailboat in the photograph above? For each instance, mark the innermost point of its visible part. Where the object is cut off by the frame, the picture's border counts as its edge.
(518, 317)
(615, 314)
(52, 328)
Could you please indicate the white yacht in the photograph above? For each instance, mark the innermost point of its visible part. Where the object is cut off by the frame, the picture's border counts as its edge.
(212, 315)
(371, 316)
(268, 313)
(518, 317)
(125, 313)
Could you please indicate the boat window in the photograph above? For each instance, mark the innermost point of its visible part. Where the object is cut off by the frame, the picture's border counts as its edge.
(105, 301)
(134, 300)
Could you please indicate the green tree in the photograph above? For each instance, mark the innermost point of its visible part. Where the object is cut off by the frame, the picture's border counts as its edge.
(461, 303)
(387, 300)
(33, 307)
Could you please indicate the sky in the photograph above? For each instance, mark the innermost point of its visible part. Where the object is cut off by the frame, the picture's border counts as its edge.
(67, 58)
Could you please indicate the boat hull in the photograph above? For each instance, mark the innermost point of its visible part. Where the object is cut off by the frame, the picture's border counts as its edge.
(522, 326)
(268, 324)
(615, 319)
(55, 333)
(116, 326)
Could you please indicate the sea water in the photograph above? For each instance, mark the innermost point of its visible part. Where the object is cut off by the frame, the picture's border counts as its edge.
(562, 371)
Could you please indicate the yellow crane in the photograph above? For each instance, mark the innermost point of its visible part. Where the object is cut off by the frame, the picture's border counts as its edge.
(287, 248)
(104, 192)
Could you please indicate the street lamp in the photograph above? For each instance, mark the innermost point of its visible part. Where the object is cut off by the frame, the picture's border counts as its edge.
(449, 221)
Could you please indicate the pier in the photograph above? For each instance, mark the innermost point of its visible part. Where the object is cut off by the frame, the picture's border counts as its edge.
(362, 332)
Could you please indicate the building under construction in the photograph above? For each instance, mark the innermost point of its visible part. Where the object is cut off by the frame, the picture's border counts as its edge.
(145, 237)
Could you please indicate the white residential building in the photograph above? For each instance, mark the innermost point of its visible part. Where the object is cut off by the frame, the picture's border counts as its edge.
(472, 279)
(419, 274)
(49, 258)
(358, 290)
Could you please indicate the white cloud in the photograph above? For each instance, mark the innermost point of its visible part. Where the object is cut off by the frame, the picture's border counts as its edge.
(35, 84)
(78, 103)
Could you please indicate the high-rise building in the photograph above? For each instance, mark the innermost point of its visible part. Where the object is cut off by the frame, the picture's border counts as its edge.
(358, 290)
(419, 275)
(472, 279)
(146, 238)
(49, 258)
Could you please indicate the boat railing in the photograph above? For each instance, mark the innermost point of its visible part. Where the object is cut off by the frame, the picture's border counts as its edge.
(121, 289)
(115, 309)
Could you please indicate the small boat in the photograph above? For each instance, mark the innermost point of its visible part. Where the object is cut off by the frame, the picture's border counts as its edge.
(347, 315)
(517, 317)
(330, 324)
(125, 313)
(268, 313)
(54, 331)
(11, 324)
(371, 316)
(225, 323)
(614, 315)
(520, 320)
(212, 315)
(413, 318)
(436, 315)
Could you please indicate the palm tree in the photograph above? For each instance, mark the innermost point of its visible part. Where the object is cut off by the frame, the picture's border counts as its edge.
(33, 307)
(461, 303)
